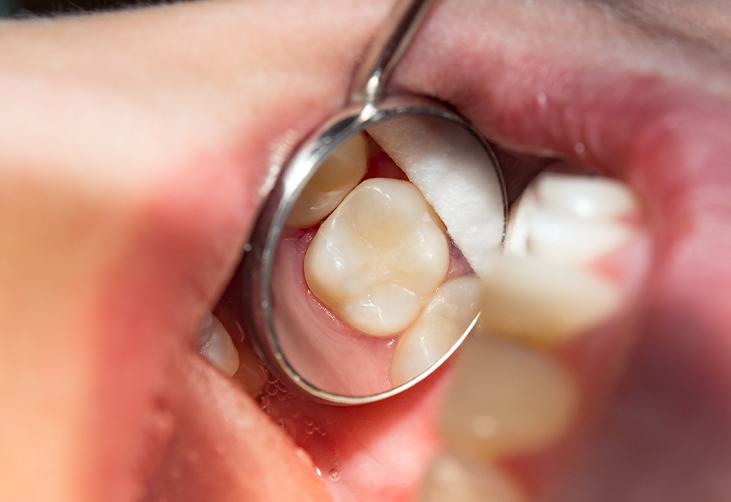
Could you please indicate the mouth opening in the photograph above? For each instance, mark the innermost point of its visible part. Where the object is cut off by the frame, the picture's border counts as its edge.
(661, 141)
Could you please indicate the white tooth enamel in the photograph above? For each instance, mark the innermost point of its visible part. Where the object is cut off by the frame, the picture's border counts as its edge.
(215, 344)
(507, 400)
(545, 302)
(591, 197)
(378, 257)
(442, 323)
(570, 218)
(567, 239)
(452, 478)
(337, 176)
(445, 163)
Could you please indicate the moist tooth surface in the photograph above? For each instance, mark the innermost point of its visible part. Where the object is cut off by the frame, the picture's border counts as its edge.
(442, 323)
(379, 257)
(215, 344)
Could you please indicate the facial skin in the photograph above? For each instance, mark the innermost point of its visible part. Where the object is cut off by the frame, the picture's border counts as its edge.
(135, 148)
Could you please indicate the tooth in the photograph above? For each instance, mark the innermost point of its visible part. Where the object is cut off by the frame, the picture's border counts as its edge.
(544, 302)
(507, 400)
(337, 176)
(441, 324)
(215, 344)
(570, 218)
(593, 197)
(448, 166)
(451, 478)
(566, 239)
(378, 257)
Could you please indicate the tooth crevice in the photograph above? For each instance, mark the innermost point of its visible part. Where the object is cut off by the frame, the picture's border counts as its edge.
(442, 323)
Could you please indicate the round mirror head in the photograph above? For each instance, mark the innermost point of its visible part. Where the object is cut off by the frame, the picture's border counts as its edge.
(366, 259)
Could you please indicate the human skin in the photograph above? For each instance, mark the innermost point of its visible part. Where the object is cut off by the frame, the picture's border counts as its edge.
(134, 148)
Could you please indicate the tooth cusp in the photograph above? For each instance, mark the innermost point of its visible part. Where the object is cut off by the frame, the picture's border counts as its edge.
(589, 197)
(378, 257)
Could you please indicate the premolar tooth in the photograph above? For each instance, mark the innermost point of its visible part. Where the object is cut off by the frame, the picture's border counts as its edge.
(215, 344)
(441, 324)
(378, 257)
(451, 478)
(562, 238)
(337, 176)
(592, 197)
(534, 299)
(507, 400)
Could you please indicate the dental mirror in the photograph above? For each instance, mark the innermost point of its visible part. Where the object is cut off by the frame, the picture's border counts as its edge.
(362, 272)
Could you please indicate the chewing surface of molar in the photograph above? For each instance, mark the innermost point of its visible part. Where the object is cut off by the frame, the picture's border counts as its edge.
(507, 400)
(378, 257)
(455, 175)
(441, 324)
(215, 344)
(337, 176)
(451, 478)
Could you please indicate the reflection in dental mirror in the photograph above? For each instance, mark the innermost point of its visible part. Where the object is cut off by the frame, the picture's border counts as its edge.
(375, 277)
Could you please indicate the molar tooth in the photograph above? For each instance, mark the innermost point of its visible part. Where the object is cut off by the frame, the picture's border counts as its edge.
(592, 197)
(441, 324)
(337, 176)
(547, 303)
(215, 344)
(507, 400)
(451, 478)
(567, 239)
(378, 257)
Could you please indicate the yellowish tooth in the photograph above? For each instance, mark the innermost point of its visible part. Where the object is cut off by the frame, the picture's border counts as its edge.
(337, 176)
(215, 344)
(507, 400)
(441, 324)
(379, 257)
(451, 478)
(543, 302)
